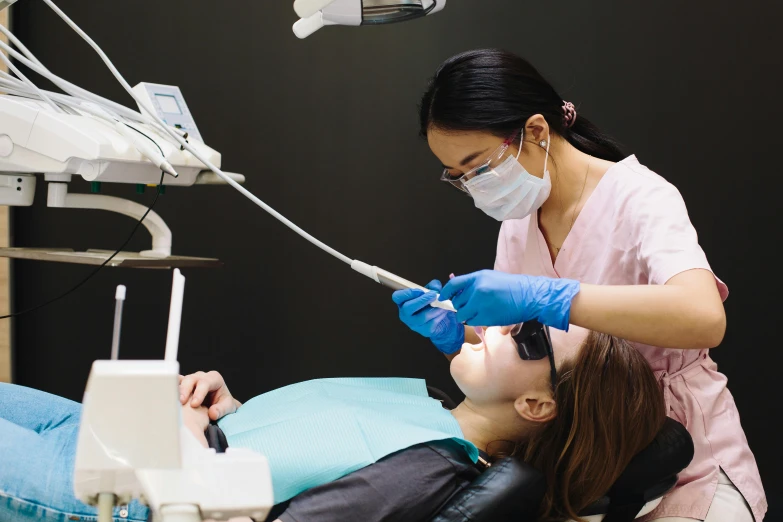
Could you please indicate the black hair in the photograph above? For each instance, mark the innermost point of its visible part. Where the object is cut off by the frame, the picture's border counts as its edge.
(496, 91)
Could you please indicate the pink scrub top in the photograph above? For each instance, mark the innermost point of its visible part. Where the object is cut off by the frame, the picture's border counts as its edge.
(634, 230)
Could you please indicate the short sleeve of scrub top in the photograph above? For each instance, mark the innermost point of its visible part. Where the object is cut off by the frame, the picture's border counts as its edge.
(667, 241)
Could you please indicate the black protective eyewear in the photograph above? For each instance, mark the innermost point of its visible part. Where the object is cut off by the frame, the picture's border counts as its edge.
(534, 343)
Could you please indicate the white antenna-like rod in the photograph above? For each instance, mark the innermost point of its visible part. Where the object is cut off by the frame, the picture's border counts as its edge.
(175, 315)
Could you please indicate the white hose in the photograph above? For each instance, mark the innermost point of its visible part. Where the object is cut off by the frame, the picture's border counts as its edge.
(16, 71)
(71, 88)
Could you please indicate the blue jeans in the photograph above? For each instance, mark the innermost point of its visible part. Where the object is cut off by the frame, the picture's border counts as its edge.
(38, 435)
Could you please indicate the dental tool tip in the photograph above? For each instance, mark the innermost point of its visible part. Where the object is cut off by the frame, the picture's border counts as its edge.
(166, 167)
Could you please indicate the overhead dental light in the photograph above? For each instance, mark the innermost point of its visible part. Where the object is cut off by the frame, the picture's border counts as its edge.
(315, 14)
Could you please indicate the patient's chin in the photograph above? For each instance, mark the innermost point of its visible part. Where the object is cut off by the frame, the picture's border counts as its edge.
(467, 370)
(461, 361)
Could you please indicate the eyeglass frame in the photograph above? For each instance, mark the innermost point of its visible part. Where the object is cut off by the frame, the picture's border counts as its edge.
(459, 182)
(533, 334)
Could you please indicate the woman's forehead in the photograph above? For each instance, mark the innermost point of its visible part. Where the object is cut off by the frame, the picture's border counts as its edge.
(454, 145)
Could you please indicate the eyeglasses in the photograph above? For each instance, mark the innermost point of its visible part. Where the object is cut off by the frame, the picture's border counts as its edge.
(534, 343)
(493, 160)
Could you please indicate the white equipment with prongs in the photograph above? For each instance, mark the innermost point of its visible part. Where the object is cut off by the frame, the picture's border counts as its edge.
(132, 444)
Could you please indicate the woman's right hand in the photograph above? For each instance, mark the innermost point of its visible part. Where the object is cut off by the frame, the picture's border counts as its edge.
(439, 325)
(210, 390)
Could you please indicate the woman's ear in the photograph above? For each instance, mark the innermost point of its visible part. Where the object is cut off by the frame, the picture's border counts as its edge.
(536, 407)
(537, 128)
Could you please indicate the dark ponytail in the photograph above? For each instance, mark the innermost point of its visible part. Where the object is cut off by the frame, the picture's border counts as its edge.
(496, 91)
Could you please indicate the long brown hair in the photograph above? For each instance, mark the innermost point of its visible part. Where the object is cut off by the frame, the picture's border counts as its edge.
(609, 408)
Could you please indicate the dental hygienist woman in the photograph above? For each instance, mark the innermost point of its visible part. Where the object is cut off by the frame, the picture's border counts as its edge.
(590, 238)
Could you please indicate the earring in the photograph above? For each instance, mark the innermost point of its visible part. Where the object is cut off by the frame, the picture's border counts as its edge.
(542, 144)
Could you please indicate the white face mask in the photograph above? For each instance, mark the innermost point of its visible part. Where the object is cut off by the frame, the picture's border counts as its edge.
(509, 191)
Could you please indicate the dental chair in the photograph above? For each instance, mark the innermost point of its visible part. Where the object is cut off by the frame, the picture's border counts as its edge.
(511, 490)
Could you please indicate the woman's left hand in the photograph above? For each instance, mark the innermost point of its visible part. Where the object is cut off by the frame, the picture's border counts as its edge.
(491, 298)
(210, 390)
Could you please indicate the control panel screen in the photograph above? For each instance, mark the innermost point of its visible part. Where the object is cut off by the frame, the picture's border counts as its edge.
(168, 103)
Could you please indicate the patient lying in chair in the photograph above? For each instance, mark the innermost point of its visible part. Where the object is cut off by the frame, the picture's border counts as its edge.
(581, 431)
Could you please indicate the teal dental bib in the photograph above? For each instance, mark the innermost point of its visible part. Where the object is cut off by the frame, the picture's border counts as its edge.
(318, 431)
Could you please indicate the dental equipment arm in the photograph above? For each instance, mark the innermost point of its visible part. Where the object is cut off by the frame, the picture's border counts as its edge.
(91, 150)
(378, 275)
(94, 139)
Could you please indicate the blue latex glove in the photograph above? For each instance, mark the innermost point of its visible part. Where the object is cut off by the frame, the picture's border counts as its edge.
(440, 326)
(490, 298)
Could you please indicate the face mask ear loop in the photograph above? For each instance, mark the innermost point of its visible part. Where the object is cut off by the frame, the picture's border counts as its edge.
(546, 158)
(521, 141)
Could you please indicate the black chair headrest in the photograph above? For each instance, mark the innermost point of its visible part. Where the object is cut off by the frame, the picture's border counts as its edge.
(669, 453)
(441, 396)
(651, 474)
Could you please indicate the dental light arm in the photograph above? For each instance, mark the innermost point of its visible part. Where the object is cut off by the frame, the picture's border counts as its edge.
(315, 14)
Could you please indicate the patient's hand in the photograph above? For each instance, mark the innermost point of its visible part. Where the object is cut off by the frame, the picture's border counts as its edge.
(196, 420)
(210, 390)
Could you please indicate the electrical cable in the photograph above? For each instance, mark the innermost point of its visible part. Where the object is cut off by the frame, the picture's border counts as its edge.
(146, 136)
(90, 276)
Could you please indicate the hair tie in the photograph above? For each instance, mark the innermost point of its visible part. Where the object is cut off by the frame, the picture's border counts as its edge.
(569, 114)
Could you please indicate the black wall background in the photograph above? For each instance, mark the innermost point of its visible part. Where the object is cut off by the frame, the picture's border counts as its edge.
(326, 131)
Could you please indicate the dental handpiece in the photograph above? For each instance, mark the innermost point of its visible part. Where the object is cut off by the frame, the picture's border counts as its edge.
(395, 282)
